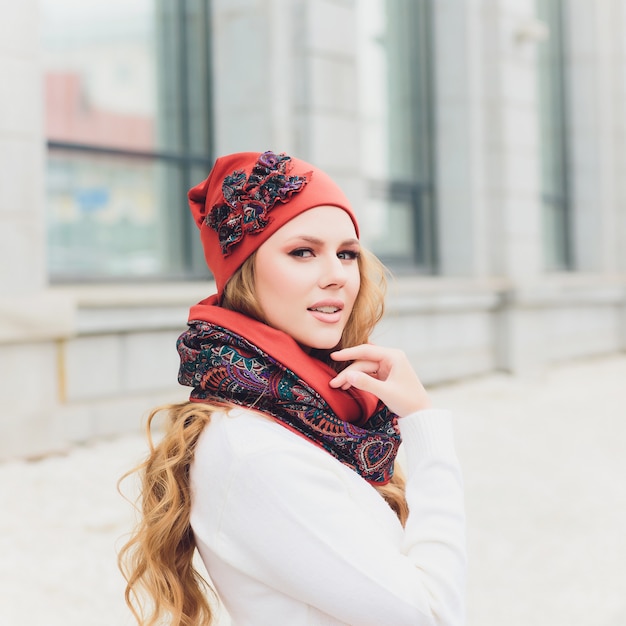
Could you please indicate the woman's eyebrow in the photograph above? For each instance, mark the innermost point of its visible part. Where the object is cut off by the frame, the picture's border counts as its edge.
(319, 242)
(351, 242)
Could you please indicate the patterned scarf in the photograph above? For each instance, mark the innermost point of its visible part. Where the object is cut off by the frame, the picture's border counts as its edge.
(262, 368)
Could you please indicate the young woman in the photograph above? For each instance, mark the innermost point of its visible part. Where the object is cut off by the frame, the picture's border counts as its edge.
(280, 470)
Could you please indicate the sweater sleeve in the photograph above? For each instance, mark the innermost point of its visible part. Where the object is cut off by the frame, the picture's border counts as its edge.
(297, 525)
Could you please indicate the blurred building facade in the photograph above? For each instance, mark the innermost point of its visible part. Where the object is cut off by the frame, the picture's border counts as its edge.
(482, 143)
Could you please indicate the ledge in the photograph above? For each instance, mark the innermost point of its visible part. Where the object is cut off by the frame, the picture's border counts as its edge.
(142, 295)
(45, 316)
(63, 312)
(105, 309)
(569, 290)
(428, 295)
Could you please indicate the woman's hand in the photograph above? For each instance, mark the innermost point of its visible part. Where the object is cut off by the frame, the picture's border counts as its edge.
(385, 372)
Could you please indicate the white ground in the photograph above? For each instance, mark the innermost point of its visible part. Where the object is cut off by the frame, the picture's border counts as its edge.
(545, 469)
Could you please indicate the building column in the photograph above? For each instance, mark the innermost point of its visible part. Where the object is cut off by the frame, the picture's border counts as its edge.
(326, 105)
(618, 21)
(32, 319)
(595, 32)
(22, 235)
(511, 148)
(489, 203)
(460, 177)
(511, 138)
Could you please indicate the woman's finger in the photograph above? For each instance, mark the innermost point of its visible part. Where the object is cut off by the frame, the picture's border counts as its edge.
(363, 352)
(385, 372)
(364, 382)
(343, 379)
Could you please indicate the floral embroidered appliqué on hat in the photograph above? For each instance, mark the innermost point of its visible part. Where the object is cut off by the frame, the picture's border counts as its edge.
(248, 202)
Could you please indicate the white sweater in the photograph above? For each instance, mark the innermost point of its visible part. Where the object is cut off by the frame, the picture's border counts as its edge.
(291, 536)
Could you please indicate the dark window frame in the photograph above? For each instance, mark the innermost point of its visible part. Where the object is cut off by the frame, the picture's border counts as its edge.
(557, 204)
(418, 193)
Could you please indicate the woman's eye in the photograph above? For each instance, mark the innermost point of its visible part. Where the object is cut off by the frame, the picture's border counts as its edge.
(302, 253)
(348, 255)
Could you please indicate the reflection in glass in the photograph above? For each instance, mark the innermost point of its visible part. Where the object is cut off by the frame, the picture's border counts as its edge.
(106, 219)
(99, 72)
(553, 140)
(125, 83)
(396, 117)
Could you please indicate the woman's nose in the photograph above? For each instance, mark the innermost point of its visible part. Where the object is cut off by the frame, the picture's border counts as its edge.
(333, 272)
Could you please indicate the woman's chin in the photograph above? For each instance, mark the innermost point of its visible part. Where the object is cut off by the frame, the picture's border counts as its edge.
(320, 346)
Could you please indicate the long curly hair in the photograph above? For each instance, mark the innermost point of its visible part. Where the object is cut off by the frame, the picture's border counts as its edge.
(157, 560)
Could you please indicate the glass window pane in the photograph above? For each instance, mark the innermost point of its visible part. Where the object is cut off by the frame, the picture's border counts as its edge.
(555, 235)
(393, 228)
(396, 113)
(183, 73)
(112, 217)
(125, 85)
(99, 67)
(198, 70)
(553, 140)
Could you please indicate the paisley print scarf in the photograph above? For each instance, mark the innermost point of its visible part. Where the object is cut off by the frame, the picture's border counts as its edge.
(229, 357)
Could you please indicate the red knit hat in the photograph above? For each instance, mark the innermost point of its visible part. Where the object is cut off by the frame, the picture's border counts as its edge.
(247, 197)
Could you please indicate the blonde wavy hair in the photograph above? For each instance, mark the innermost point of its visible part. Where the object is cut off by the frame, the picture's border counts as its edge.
(157, 560)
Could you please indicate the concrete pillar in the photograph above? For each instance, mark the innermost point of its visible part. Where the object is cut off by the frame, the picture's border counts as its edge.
(460, 174)
(620, 149)
(513, 223)
(619, 136)
(595, 77)
(302, 57)
(326, 105)
(241, 48)
(22, 234)
(511, 139)
(31, 318)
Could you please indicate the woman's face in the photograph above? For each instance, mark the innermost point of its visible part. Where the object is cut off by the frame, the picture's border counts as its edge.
(306, 276)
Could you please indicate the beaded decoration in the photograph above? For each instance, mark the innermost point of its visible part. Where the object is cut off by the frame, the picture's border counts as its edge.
(248, 202)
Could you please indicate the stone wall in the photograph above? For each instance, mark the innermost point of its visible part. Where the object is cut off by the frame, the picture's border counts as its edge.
(79, 362)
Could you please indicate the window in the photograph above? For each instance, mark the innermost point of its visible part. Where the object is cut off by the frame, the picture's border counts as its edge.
(396, 100)
(553, 142)
(128, 125)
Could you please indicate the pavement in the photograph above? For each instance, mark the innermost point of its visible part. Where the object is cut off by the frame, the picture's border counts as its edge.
(544, 461)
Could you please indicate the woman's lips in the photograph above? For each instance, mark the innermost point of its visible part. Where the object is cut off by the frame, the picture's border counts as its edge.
(328, 312)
